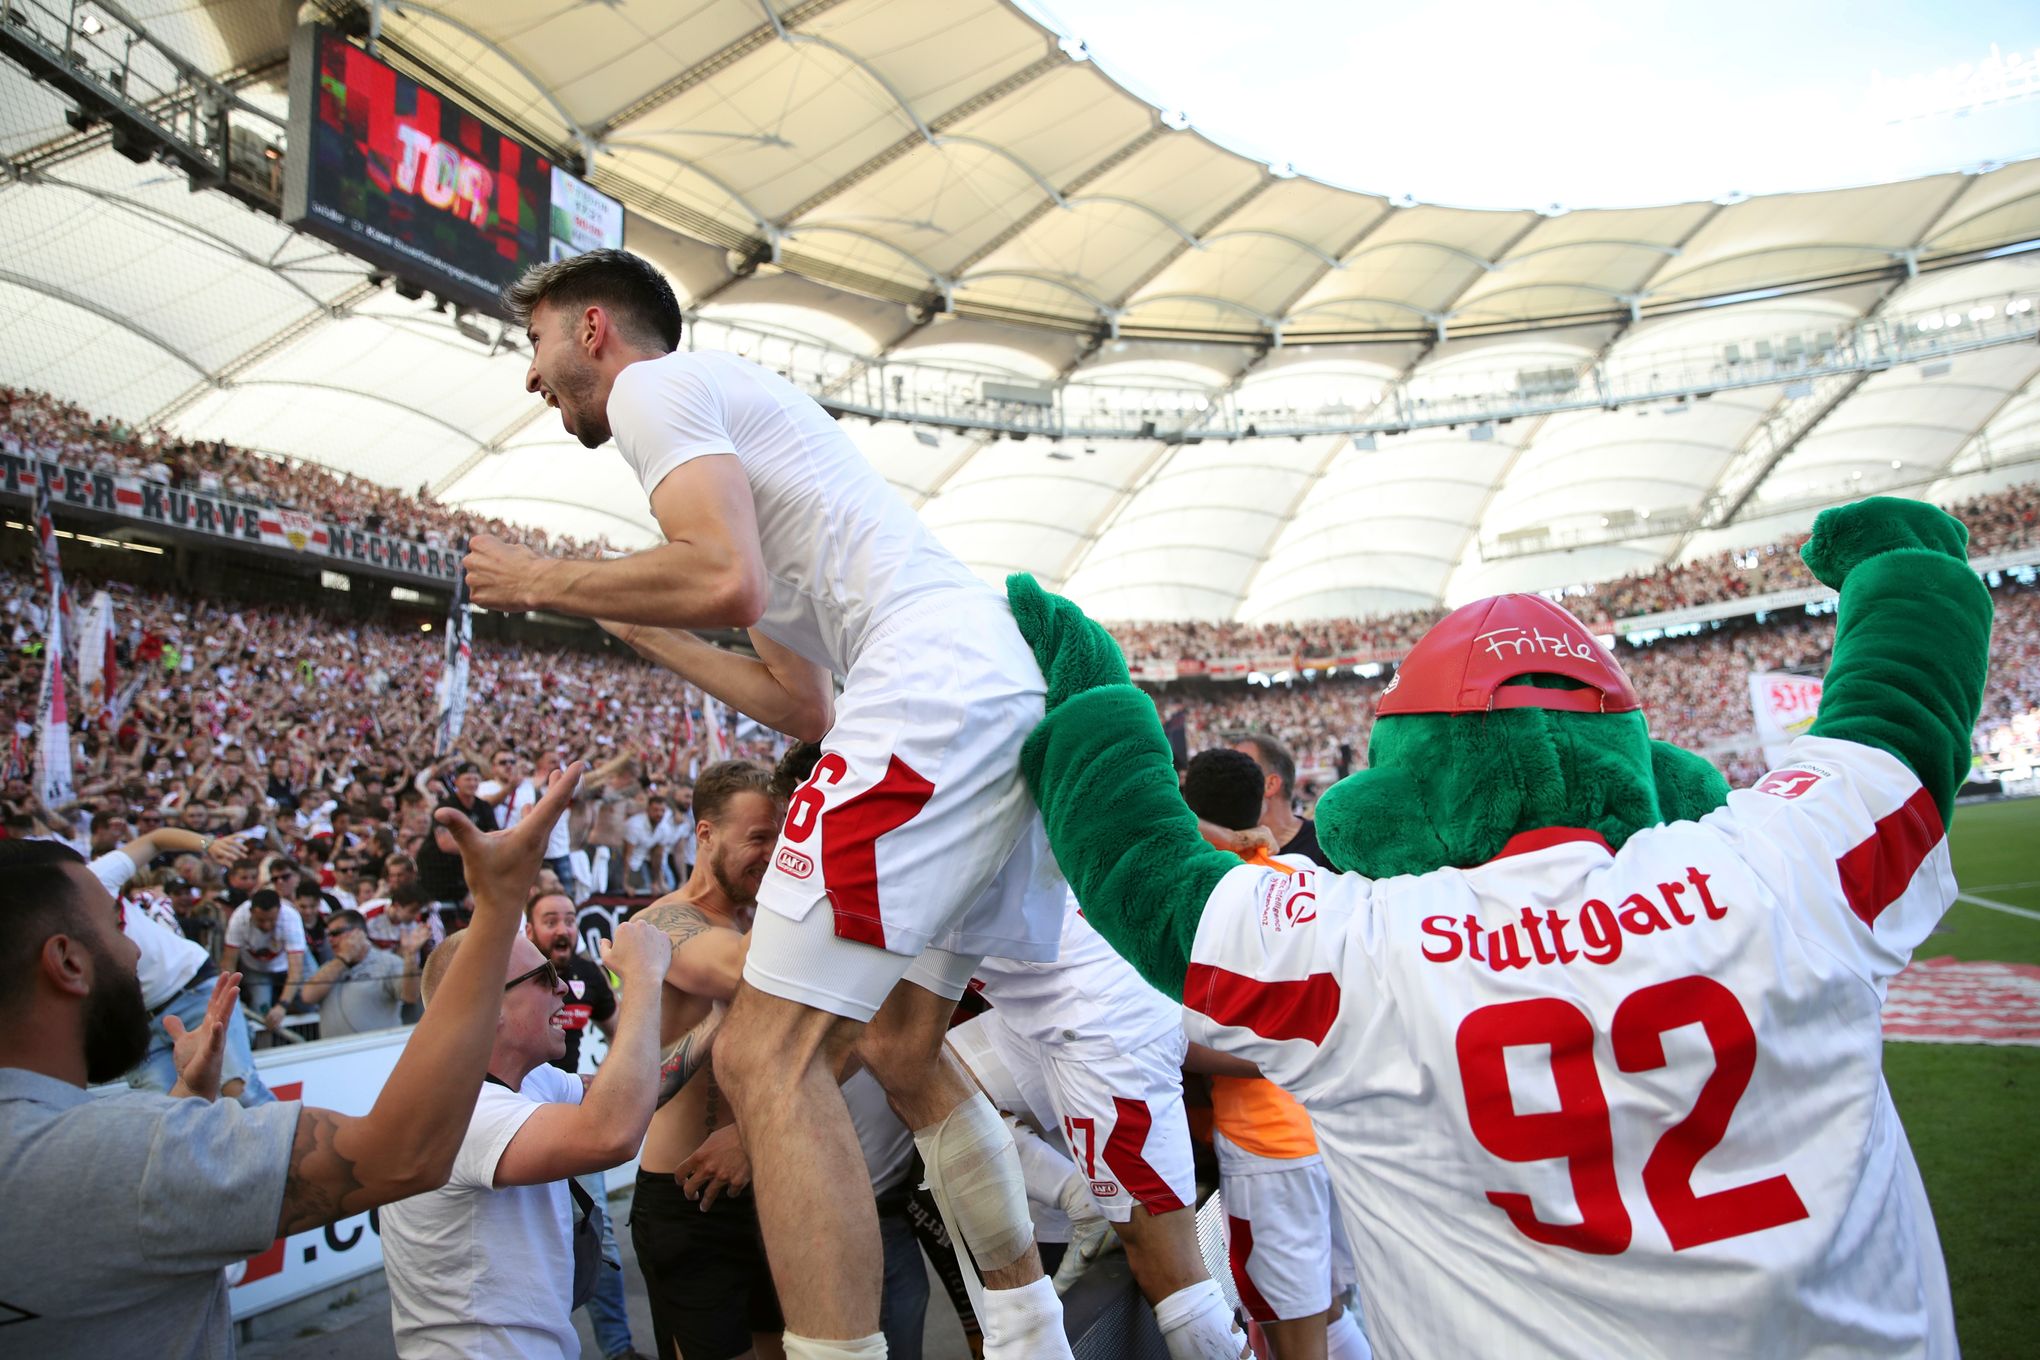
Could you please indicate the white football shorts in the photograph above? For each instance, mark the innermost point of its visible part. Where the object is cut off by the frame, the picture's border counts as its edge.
(1120, 1118)
(1287, 1247)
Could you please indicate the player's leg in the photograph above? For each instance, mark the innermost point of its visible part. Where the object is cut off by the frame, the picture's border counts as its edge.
(967, 1152)
(1278, 1240)
(1009, 1071)
(1123, 1116)
(777, 1058)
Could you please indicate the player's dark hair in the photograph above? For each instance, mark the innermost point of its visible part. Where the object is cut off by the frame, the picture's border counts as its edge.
(410, 894)
(794, 768)
(1274, 758)
(345, 917)
(721, 782)
(1224, 786)
(639, 301)
(264, 899)
(39, 898)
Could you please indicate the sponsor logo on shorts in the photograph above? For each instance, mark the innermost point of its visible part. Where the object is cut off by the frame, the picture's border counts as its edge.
(794, 863)
(1104, 1189)
(1792, 782)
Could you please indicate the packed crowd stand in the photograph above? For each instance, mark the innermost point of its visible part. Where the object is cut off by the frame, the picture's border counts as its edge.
(314, 737)
(2002, 521)
(34, 423)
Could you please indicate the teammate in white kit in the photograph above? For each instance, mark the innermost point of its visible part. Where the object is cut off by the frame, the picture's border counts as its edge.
(1093, 1056)
(1578, 1100)
(913, 851)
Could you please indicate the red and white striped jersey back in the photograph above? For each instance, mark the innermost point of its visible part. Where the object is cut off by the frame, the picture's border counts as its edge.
(1577, 1102)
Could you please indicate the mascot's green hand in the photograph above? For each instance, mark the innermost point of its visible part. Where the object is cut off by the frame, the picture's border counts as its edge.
(1912, 636)
(1075, 653)
(1848, 535)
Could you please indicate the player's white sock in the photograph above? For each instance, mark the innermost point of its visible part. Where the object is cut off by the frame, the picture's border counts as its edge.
(1196, 1324)
(1051, 1177)
(1024, 1323)
(1345, 1341)
(809, 1348)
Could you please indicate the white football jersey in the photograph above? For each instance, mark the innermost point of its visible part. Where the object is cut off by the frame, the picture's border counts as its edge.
(1088, 1002)
(1589, 1104)
(842, 550)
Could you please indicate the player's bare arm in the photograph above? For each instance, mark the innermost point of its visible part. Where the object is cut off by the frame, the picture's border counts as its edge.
(709, 573)
(343, 1164)
(781, 689)
(688, 1056)
(708, 954)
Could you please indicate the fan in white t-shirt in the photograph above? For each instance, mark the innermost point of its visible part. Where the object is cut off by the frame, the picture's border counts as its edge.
(483, 1266)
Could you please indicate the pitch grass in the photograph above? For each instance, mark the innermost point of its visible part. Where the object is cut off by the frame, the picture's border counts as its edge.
(1971, 1110)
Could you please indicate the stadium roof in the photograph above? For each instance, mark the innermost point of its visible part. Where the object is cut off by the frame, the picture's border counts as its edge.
(845, 188)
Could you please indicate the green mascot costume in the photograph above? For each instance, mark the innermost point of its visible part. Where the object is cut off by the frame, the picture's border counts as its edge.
(1532, 893)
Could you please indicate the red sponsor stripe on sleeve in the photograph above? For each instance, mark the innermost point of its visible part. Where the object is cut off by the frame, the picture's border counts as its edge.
(1299, 1009)
(1876, 871)
(1126, 1156)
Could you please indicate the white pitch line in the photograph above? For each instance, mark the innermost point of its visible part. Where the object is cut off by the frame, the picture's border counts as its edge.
(2005, 907)
(2000, 887)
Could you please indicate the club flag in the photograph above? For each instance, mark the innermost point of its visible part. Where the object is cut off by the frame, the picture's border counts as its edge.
(453, 675)
(98, 680)
(718, 735)
(1785, 706)
(53, 712)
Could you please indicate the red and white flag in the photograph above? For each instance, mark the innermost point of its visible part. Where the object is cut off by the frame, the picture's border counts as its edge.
(53, 711)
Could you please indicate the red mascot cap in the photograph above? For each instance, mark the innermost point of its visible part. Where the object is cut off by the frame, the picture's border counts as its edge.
(1461, 664)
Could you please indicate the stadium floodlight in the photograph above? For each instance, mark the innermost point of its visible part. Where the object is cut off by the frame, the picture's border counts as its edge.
(89, 24)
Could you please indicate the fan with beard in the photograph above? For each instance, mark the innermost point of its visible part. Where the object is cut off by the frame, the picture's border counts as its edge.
(116, 1021)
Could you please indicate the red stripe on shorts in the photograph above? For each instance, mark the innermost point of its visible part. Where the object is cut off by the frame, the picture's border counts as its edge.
(1239, 1239)
(1126, 1157)
(1298, 1009)
(850, 833)
(1876, 871)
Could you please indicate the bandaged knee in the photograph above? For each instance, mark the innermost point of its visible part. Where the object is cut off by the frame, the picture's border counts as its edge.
(974, 1173)
(1197, 1324)
(808, 1348)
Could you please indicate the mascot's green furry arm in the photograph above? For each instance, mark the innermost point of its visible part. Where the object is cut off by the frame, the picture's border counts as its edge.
(1911, 644)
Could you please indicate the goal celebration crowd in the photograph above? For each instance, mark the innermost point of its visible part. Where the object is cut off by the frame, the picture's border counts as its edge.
(855, 1015)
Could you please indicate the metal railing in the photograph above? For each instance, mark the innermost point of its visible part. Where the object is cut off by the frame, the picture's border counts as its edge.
(955, 396)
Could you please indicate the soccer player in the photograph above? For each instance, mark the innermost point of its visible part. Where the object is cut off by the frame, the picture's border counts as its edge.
(1094, 1057)
(912, 852)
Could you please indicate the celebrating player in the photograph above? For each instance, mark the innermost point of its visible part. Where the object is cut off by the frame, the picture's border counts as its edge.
(1591, 1045)
(912, 852)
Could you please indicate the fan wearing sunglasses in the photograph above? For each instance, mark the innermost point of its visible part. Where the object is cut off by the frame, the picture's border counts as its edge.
(483, 1265)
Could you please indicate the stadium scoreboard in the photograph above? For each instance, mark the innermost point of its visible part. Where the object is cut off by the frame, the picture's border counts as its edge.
(415, 183)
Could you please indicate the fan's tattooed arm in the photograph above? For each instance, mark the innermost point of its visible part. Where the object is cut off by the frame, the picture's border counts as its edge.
(688, 1055)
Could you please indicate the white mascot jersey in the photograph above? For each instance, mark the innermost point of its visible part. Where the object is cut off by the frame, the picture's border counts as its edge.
(1577, 1103)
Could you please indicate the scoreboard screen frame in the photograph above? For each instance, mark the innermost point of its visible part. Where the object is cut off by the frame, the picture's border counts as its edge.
(418, 184)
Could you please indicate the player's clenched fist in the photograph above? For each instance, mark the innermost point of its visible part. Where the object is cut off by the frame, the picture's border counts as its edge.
(501, 575)
(639, 953)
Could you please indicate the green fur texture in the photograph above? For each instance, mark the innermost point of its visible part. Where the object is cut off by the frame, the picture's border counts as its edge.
(1912, 636)
(1450, 790)
(1101, 770)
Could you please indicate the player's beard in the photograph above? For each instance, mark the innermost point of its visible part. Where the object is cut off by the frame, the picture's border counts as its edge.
(735, 890)
(561, 947)
(575, 392)
(117, 1029)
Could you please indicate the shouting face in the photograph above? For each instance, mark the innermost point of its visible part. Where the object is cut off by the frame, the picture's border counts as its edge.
(562, 372)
